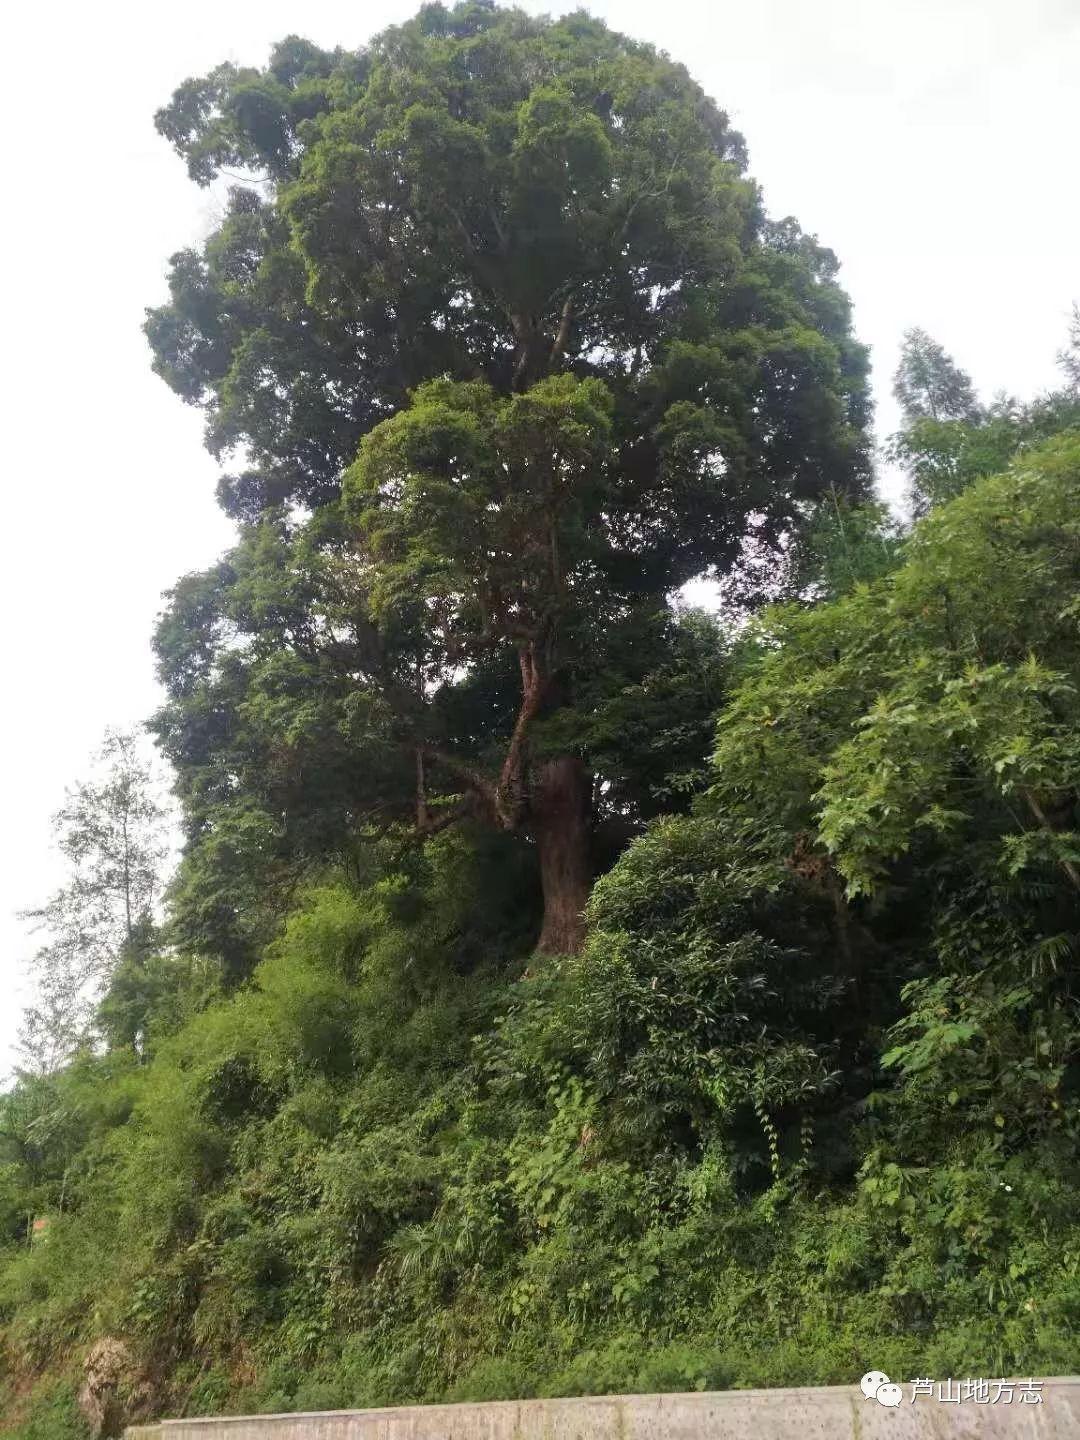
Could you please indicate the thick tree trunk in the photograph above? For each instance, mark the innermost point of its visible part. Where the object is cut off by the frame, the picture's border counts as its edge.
(559, 820)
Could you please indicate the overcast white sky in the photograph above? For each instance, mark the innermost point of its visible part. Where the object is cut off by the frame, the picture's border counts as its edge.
(931, 143)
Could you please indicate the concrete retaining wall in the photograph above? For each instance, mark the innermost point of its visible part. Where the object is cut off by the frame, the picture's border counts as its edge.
(839, 1412)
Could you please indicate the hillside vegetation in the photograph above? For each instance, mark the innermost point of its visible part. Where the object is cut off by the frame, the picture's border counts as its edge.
(562, 990)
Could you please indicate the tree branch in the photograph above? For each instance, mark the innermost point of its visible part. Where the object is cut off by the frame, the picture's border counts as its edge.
(525, 335)
(433, 824)
(422, 813)
(1040, 815)
(474, 778)
(562, 338)
(511, 795)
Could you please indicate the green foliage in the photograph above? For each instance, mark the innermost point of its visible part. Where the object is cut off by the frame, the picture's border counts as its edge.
(809, 1091)
(930, 704)
(50, 1413)
(840, 546)
(484, 516)
(950, 440)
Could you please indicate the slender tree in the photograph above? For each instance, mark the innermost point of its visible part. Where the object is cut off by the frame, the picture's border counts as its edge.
(110, 832)
(928, 383)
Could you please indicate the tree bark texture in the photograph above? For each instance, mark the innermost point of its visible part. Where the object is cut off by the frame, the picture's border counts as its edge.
(559, 820)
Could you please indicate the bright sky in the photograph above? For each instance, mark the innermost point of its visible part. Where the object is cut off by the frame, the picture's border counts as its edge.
(931, 143)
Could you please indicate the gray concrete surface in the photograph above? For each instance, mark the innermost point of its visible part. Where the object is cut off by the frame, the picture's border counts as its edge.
(839, 1412)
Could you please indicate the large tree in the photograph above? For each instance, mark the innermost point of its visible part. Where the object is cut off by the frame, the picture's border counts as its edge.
(510, 351)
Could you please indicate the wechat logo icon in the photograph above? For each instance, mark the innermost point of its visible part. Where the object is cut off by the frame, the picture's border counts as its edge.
(876, 1385)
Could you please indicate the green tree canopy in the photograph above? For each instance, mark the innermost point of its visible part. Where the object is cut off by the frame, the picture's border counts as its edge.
(509, 276)
(928, 383)
(949, 439)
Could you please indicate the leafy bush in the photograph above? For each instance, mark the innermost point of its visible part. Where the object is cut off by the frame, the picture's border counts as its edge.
(50, 1413)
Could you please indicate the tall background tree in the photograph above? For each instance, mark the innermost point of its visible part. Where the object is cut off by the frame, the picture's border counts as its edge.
(928, 383)
(949, 438)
